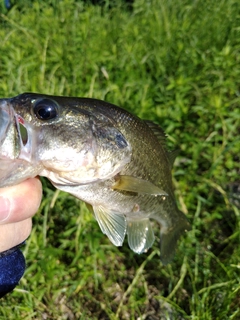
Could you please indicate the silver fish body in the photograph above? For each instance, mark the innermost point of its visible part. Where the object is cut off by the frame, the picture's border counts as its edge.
(115, 162)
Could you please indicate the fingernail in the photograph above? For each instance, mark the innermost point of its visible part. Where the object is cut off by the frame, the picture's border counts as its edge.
(4, 208)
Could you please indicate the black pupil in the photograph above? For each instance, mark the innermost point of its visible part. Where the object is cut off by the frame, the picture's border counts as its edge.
(45, 109)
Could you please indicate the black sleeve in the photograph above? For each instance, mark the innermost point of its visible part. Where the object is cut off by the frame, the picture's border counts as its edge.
(12, 267)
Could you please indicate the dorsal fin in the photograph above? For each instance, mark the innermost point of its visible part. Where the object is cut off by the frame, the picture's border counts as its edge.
(161, 136)
(172, 156)
(157, 131)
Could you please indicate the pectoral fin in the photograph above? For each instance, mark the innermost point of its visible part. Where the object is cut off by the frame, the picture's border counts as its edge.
(129, 183)
(140, 235)
(112, 223)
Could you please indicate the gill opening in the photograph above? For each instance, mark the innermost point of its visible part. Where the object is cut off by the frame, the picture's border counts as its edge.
(23, 134)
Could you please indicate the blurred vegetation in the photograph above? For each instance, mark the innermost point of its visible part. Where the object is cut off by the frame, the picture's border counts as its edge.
(171, 61)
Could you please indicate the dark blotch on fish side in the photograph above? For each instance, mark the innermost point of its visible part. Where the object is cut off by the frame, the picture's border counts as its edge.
(121, 142)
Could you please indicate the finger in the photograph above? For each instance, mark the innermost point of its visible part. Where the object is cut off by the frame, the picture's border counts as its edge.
(20, 202)
(13, 234)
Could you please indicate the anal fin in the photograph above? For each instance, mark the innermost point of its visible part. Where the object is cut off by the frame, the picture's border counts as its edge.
(140, 234)
(112, 223)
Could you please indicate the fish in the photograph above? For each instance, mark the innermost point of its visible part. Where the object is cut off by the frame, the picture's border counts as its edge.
(115, 162)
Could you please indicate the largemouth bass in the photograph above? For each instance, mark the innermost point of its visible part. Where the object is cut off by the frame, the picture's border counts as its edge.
(115, 162)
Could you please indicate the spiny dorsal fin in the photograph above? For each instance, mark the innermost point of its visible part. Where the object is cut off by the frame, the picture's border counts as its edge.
(161, 136)
(172, 156)
(157, 130)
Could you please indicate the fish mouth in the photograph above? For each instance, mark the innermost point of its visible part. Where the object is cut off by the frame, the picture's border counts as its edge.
(6, 117)
(15, 140)
(9, 146)
(24, 138)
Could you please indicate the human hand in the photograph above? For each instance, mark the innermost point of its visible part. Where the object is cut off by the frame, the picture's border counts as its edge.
(17, 205)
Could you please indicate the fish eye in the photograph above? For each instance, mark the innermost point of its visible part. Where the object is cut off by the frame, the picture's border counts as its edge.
(45, 109)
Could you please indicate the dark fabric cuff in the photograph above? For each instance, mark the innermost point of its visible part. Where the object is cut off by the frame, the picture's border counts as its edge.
(12, 267)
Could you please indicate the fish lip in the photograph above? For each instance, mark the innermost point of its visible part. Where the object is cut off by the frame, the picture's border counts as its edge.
(6, 118)
(9, 144)
(11, 122)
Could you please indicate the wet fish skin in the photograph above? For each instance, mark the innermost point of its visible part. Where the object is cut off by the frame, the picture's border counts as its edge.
(53, 147)
(105, 156)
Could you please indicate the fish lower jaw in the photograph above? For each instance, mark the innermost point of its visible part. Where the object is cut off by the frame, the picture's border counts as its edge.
(83, 176)
(26, 155)
(69, 178)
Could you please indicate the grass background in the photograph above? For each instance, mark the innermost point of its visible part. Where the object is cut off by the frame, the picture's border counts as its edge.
(176, 62)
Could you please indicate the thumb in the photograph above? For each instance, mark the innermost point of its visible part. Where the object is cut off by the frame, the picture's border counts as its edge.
(17, 205)
(20, 202)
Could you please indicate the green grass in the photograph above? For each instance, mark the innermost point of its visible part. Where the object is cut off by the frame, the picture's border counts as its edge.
(176, 62)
